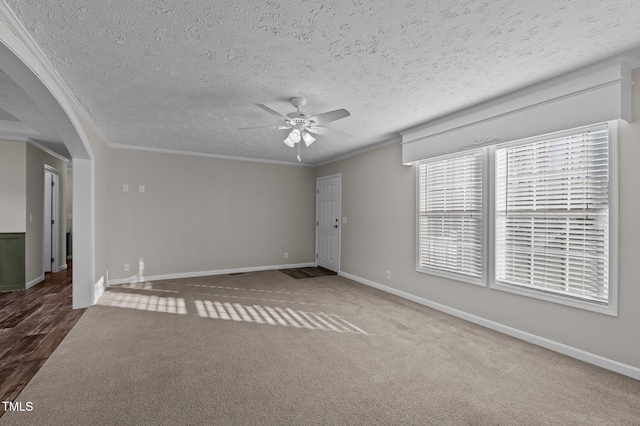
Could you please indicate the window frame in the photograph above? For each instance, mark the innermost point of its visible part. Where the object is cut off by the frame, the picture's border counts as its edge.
(611, 308)
(480, 281)
(489, 220)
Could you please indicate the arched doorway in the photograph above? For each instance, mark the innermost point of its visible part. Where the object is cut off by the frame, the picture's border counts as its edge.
(19, 60)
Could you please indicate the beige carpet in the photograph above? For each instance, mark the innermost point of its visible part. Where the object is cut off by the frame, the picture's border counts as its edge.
(265, 349)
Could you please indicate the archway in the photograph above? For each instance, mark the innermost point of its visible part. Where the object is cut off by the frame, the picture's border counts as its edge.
(20, 63)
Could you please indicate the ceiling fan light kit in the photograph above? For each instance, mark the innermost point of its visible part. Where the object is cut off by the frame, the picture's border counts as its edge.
(293, 138)
(308, 139)
(303, 125)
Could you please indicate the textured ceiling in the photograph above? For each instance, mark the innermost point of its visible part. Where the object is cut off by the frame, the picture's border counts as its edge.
(185, 75)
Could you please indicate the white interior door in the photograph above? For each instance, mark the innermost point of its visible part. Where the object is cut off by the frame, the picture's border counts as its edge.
(51, 225)
(328, 222)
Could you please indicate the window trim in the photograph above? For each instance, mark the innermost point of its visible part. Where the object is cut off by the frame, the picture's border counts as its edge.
(612, 306)
(482, 281)
(488, 278)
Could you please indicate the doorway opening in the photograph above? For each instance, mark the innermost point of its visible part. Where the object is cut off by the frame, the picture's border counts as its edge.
(51, 235)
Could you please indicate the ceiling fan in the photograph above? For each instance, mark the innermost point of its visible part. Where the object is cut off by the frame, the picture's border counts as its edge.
(303, 125)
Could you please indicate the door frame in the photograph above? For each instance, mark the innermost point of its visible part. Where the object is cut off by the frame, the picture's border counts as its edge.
(55, 216)
(318, 179)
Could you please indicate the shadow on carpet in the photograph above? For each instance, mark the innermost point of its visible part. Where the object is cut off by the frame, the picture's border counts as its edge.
(309, 272)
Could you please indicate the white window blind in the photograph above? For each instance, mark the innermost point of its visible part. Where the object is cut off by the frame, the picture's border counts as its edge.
(450, 215)
(552, 215)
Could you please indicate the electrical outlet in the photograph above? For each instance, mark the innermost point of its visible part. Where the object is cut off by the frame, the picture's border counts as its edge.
(286, 255)
(388, 275)
(126, 267)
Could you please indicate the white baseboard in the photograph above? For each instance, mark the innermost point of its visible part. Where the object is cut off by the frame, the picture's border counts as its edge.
(34, 282)
(99, 288)
(609, 364)
(62, 267)
(136, 278)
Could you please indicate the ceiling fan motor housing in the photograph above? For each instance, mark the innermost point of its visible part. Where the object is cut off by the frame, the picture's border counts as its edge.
(300, 119)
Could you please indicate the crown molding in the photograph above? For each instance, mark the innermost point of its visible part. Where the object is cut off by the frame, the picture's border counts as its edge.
(207, 155)
(48, 151)
(393, 141)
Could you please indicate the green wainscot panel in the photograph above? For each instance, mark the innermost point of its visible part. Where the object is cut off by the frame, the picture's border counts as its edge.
(12, 268)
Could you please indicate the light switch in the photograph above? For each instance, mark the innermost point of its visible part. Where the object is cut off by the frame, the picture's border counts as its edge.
(69, 217)
(344, 220)
(141, 188)
(125, 188)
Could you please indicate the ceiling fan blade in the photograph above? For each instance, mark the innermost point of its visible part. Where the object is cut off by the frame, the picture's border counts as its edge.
(265, 127)
(325, 131)
(330, 116)
(273, 111)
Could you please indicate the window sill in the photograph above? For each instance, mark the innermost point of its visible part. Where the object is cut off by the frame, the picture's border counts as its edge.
(453, 276)
(549, 297)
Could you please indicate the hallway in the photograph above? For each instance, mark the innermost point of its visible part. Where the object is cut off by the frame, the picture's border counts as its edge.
(33, 322)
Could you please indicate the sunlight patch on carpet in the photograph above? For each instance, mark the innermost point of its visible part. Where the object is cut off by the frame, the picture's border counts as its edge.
(228, 296)
(146, 285)
(171, 305)
(275, 316)
(247, 289)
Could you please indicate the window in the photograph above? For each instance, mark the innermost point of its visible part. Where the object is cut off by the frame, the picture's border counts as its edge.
(450, 217)
(552, 215)
(547, 207)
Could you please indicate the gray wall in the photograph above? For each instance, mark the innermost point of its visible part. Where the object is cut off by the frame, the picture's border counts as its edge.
(378, 199)
(13, 186)
(205, 214)
(101, 174)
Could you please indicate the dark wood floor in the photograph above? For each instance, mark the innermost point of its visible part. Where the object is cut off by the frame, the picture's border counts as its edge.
(309, 272)
(32, 324)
